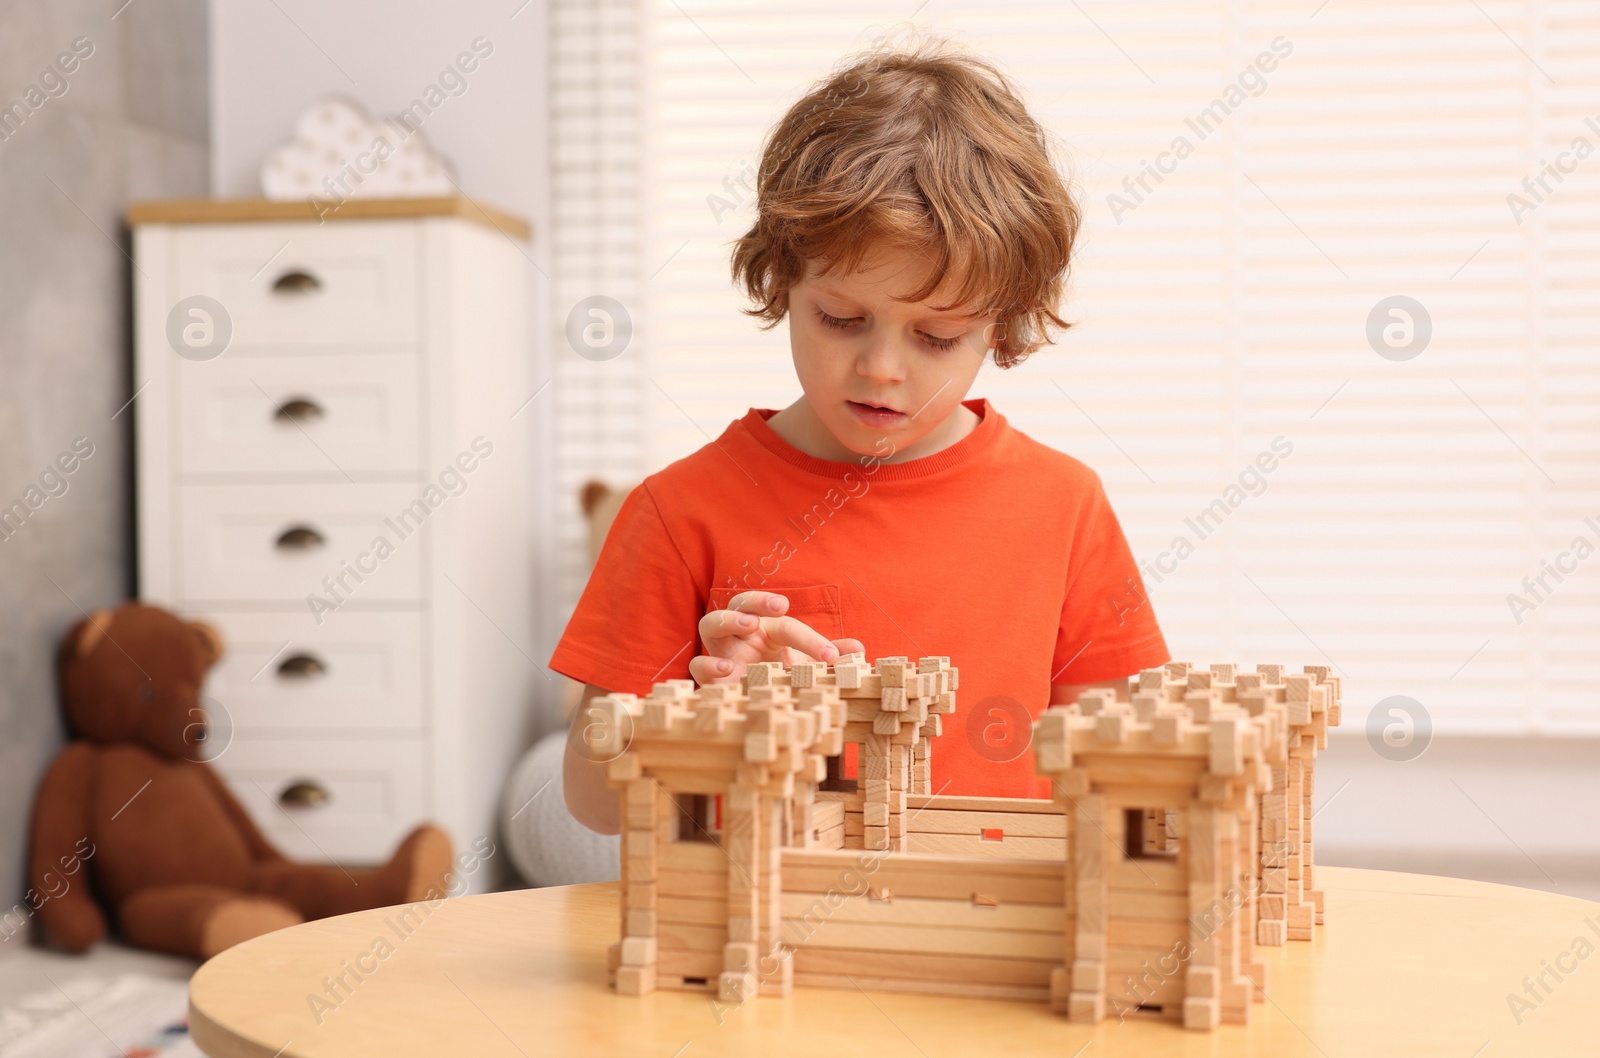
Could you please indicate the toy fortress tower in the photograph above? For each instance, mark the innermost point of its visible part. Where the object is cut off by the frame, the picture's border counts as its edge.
(1178, 838)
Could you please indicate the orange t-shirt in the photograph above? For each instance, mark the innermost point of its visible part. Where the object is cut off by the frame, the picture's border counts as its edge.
(998, 551)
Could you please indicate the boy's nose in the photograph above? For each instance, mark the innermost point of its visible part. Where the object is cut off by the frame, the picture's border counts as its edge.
(881, 362)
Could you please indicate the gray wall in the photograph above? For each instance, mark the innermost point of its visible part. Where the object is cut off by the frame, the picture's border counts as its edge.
(131, 123)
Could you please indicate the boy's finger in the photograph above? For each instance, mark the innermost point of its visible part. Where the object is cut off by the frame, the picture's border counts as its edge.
(850, 646)
(765, 603)
(705, 670)
(794, 633)
(720, 623)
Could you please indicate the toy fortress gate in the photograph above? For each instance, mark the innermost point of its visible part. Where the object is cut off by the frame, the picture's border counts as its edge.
(1177, 840)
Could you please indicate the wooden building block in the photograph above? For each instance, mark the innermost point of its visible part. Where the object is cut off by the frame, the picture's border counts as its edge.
(1060, 989)
(734, 987)
(625, 768)
(636, 980)
(1088, 975)
(1200, 703)
(1227, 745)
(641, 895)
(1146, 704)
(1086, 1007)
(807, 673)
(1205, 756)
(776, 973)
(870, 685)
(1096, 700)
(1052, 755)
(658, 713)
(886, 724)
(926, 818)
(892, 671)
(1201, 1013)
(638, 951)
(739, 957)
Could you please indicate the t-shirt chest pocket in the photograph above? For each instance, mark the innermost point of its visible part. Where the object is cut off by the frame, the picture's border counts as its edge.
(816, 605)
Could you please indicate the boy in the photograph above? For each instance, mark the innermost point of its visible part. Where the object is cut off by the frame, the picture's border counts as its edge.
(909, 224)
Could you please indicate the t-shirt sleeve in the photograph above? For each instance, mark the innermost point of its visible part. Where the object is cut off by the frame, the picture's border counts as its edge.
(1108, 623)
(636, 622)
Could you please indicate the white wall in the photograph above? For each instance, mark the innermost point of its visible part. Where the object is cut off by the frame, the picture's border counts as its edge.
(1510, 810)
(1506, 809)
(270, 58)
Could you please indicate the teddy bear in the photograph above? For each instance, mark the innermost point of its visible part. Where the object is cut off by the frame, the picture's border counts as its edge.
(130, 820)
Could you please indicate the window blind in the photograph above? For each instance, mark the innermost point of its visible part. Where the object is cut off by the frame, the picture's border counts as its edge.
(597, 174)
(1337, 342)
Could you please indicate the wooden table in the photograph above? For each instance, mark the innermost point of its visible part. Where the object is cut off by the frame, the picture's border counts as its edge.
(1406, 965)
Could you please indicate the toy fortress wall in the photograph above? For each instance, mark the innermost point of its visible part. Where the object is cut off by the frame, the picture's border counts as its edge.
(1177, 840)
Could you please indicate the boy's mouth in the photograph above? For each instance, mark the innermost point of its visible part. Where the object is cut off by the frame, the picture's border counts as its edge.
(873, 414)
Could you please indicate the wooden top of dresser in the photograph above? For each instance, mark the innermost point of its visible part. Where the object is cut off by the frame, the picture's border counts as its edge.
(246, 210)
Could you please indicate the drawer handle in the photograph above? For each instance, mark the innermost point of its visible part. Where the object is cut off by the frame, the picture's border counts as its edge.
(295, 282)
(300, 538)
(298, 409)
(301, 667)
(303, 794)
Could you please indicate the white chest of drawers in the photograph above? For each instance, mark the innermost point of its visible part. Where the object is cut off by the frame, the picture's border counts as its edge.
(341, 491)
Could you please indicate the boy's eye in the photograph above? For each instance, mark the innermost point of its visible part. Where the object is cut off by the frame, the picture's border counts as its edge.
(845, 323)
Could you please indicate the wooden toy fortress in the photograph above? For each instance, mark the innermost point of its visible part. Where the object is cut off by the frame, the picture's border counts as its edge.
(1177, 840)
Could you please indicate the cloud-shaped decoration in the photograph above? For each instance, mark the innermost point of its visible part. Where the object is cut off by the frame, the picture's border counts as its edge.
(340, 151)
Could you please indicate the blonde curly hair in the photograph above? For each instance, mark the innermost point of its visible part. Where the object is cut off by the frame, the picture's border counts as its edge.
(924, 149)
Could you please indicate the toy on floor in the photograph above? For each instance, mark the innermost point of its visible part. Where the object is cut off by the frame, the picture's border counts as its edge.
(1178, 838)
(546, 844)
(128, 814)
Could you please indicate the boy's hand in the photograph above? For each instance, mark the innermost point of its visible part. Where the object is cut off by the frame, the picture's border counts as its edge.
(753, 629)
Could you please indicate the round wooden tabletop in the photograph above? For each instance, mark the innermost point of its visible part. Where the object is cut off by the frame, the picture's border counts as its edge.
(1406, 965)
